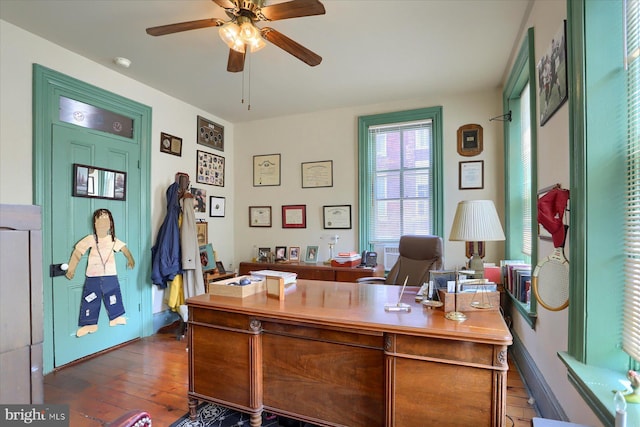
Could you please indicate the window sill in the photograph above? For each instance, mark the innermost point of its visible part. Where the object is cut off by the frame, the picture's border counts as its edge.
(596, 386)
(524, 309)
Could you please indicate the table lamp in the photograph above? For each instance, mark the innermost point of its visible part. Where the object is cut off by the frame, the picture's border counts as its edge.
(476, 221)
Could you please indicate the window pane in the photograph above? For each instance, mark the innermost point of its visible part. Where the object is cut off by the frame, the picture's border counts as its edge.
(389, 157)
(416, 218)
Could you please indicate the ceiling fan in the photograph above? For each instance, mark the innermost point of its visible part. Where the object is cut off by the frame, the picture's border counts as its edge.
(240, 32)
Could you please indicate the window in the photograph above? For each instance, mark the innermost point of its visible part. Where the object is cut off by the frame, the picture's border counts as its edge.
(599, 354)
(400, 175)
(631, 325)
(520, 147)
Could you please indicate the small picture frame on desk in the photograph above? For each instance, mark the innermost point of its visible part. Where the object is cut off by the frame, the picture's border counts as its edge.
(281, 253)
(312, 255)
(263, 254)
(220, 267)
(294, 253)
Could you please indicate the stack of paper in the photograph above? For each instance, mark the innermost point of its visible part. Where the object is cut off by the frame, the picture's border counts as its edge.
(347, 256)
(287, 276)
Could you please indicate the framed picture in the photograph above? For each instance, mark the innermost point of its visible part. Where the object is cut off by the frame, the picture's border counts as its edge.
(209, 169)
(216, 206)
(170, 144)
(210, 134)
(266, 170)
(470, 140)
(552, 75)
(317, 174)
(259, 216)
(294, 216)
(471, 175)
(202, 231)
(263, 254)
(220, 267)
(336, 216)
(312, 255)
(294, 253)
(200, 199)
(281, 253)
(207, 259)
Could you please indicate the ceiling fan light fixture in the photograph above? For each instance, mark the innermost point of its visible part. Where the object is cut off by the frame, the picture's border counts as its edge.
(229, 33)
(257, 44)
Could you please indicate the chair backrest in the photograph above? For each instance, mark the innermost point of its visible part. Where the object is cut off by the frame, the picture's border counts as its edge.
(417, 256)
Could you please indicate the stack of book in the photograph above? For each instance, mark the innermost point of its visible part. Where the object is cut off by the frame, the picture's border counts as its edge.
(346, 259)
(287, 276)
(516, 276)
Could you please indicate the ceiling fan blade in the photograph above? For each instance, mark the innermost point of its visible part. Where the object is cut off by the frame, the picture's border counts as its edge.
(292, 9)
(225, 4)
(184, 26)
(288, 45)
(236, 61)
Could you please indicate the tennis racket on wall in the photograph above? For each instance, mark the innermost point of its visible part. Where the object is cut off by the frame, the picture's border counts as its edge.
(550, 279)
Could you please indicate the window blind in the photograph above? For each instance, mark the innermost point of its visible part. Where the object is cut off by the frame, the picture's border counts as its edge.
(631, 309)
(525, 157)
(400, 163)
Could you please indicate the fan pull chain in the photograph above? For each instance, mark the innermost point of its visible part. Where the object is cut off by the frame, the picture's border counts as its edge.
(247, 64)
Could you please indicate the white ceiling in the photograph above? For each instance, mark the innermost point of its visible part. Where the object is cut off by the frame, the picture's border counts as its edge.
(373, 50)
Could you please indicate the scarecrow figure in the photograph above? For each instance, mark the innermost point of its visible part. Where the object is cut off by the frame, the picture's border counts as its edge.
(101, 282)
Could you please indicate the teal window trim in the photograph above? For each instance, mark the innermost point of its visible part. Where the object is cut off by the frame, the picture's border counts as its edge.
(365, 183)
(595, 362)
(523, 71)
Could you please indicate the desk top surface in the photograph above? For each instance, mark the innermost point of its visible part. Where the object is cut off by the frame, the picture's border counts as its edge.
(361, 306)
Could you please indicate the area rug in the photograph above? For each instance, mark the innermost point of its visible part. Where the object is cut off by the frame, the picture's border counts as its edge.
(210, 415)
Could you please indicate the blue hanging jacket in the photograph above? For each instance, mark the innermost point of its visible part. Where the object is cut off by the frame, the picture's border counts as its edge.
(165, 254)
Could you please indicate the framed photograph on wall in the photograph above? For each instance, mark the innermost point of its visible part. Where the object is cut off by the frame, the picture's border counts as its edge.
(259, 216)
(216, 206)
(470, 140)
(471, 175)
(202, 232)
(336, 216)
(552, 75)
(209, 169)
(210, 134)
(170, 144)
(294, 216)
(266, 170)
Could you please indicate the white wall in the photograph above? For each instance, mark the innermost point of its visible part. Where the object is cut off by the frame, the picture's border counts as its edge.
(551, 333)
(332, 135)
(20, 49)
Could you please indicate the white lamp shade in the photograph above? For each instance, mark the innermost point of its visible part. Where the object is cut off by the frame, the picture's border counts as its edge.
(476, 221)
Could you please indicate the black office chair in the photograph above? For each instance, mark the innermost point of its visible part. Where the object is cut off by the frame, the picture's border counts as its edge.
(418, 255)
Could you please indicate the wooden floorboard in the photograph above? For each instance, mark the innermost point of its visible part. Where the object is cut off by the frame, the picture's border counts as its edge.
(152, 374)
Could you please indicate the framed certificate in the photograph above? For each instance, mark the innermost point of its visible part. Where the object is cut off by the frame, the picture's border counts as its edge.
(336, 216)
(259, 216)
(266, 170)
(294, 216)
(317, 174)
(471, 175)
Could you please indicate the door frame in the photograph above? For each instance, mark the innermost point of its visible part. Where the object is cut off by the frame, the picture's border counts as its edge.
(48, 85)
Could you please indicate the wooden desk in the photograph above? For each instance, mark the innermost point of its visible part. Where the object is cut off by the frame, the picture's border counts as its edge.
(330, 355)
(315, 271)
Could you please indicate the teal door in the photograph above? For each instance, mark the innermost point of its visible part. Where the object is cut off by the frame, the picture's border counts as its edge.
(71, 220)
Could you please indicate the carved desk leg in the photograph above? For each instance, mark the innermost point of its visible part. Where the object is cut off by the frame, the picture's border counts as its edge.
(193, 406)
(500, 385)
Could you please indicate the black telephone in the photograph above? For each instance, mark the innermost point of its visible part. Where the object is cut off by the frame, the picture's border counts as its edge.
(369, 259)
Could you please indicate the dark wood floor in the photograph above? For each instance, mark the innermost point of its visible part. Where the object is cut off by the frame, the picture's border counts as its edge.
(151, 374)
